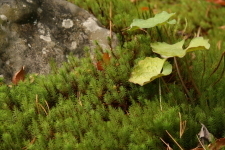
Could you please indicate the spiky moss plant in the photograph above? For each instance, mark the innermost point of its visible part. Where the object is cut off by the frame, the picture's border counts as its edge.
(81, 122)
(81, 77)
(121, 16)
(196, 70)
(72, 126)
(75, 108)
(198, 14)
(79, 82)
(115, 14)
(73, 123)
(79, 107)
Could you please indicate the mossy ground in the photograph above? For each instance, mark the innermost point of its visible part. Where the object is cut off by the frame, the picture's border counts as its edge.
(81, 107)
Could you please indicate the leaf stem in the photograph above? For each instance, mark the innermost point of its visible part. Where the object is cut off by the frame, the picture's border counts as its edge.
(192, 80)
(181, 80)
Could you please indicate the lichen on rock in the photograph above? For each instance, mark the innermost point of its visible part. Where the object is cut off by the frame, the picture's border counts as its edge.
(33, 32)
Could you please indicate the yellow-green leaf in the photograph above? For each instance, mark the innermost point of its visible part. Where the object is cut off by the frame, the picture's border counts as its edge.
(167, 50)
(198, 43)
(149, 69)
(160, 18)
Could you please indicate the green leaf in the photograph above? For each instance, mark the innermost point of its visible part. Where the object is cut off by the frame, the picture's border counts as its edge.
(167, 68)
(149, 69)
(198, 43)
(167, 50)
(172, 21)
(160, 18)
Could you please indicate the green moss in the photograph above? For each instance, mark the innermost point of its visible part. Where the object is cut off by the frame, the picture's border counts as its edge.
(81, 107)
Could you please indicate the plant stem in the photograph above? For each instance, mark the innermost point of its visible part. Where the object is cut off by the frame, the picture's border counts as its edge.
(192, 80)
(181, 80)
(160, 95)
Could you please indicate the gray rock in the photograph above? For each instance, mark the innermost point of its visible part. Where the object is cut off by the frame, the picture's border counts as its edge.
(34, 31)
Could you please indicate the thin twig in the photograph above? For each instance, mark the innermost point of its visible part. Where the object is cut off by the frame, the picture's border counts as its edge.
(37, 103)
(199, 31)
(78, 96)
(47, 105)
(144, 31)
(201, 143)
(110, 29)
(174, 140)
(168, 146)
(182, 125)
(43, 109)
(110, 20)
(31, 142)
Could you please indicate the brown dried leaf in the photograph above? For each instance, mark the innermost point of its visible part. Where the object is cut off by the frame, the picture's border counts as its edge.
(105, 60)
(19, 76)
(220, 2)
(222, 27)
(198, 148)
(218, 144)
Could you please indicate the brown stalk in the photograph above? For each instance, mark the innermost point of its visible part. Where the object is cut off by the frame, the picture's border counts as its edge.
(221, 76)
(174, 140)
(181, 79)
(39, 105)
(168, 146)
(182, 125)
